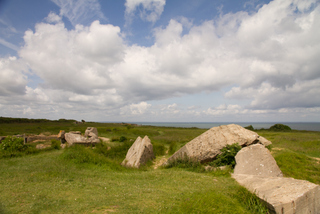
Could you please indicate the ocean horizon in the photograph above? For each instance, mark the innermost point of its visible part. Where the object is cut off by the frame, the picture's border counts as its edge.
(306, 126)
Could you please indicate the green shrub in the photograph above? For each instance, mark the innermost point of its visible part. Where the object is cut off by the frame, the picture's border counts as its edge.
(250, 127)
(13, 144)
(122, 139)
(227, 156)
(114, 139)
(280, 127)
(55, 144)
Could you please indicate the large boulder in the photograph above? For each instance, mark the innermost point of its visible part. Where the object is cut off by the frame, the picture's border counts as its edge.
(139, 153)
(283, 195)
(75, 138)
(207, 146)
(256, 160)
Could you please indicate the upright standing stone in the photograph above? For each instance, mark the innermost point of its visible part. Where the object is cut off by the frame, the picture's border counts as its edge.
(256, 160)
(139, 153)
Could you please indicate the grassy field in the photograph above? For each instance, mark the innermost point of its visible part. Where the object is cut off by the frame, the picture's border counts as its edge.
(86, 180)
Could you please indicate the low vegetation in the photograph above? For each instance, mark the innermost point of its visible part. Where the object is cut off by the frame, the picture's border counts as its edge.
(226, 158)
(91, 179)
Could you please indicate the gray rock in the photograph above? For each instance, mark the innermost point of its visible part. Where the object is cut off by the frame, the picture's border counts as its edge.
(139, 153)
(91, 132)
(256, 160)
(283, 195)
(75, 138)
(208, 145)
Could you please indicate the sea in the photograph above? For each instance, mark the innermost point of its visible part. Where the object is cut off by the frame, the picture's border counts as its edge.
(307, 126)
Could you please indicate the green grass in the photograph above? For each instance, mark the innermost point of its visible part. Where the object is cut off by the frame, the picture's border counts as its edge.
(47, 183)
(91, 180)
(297, 153)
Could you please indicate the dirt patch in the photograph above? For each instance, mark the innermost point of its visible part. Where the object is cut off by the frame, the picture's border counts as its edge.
(157, 163)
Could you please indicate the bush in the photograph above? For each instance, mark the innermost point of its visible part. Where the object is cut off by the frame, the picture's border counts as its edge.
(55, 144)
(227, 156)
(122, 139)
(114, 139)
(280, 127)
(13, 144)
(250, 127)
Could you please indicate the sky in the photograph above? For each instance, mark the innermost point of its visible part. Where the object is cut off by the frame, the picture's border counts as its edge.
(161, 60)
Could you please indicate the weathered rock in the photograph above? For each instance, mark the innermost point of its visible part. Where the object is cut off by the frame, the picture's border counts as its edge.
(139, 153)
(256, 160)
(208, 145)
(91, 132)
(283, 195)
(73, 138)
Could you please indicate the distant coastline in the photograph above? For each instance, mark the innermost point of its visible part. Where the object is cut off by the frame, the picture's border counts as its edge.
(307, 126)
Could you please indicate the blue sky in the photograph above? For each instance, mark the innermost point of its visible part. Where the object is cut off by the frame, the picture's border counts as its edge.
(161, 60)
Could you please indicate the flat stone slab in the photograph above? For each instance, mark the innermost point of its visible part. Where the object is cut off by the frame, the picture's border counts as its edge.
(283, 195)
(256, 160)
(207, 146)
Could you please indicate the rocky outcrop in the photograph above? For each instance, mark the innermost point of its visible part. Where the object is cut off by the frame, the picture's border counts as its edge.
(75, 137)
(256, 160)
(207, 146)
(257, 170)
(283, 195)
(139, 153)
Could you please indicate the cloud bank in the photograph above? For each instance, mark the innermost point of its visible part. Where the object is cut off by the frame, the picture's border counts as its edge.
(268, 60)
